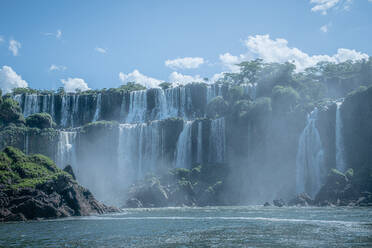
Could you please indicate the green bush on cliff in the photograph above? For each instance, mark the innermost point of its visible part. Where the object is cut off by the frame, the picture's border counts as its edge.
(217, 107)
(10, 112)
(40, 120)
(284, 98)
(18, 170)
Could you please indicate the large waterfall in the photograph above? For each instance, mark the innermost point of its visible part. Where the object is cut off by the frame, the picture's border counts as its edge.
(340, 162)
(309, 160)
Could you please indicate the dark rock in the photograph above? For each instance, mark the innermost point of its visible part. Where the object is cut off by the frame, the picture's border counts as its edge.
(133, 203)
(70, 171)
(301, 200)
(267, 204)
(279, 203)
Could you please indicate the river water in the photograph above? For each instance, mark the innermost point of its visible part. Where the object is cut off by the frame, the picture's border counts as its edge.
(250, 226)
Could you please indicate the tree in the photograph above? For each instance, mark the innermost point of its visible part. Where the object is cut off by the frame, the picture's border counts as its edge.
(284, 98)
(217, 107)
(10, 112)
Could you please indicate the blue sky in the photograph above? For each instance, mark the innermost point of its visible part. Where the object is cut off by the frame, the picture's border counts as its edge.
(102, 44)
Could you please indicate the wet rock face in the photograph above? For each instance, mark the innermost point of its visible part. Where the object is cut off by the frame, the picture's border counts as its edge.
(301, 200)
(54, 199)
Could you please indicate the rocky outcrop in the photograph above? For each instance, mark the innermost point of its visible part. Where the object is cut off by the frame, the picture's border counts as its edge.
(32, 187)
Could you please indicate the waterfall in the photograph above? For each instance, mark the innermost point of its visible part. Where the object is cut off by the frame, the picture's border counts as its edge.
(140, 149)
(250, 90)
(213, 91)
(137, 106)
(98, 108)
(66, 154)
(340, 162)
(217, 141)
(183, 147)
(65, 111)
(199, 153)
(75, 110)
(31, 105)
(309, 159)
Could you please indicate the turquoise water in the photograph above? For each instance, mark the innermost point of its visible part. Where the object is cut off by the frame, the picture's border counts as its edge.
(200, 227)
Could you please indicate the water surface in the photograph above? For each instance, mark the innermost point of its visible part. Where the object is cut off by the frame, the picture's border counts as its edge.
(200, 227)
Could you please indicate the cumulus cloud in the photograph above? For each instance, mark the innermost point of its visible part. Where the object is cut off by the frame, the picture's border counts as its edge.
(185, 63)
(54, 67)
(100, 50)
(73, 84)
(277, 50)
(9, 79)
(139, 78)
(229, 61)
(178, 78)
(57, 34)
(14, 46)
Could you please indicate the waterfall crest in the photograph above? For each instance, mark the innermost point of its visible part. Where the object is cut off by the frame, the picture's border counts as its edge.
(309, 159)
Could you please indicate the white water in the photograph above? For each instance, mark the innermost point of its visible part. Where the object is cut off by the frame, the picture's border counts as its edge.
(340, 162)
(140, 149)
(137, 107)
(66, 154)
(97, 113)
(183, 148)
(199, 154)
(309, 160)
(217, 141)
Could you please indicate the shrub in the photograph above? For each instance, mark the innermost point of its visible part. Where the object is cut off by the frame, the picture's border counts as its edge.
(10, 112)
(40, 120)
(217, 107)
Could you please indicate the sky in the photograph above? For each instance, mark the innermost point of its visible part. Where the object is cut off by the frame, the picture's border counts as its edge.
(102, 44)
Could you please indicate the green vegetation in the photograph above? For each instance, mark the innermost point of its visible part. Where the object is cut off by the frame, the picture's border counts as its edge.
(18, 170)
(217, 107)
(40, 120)
(10, 112)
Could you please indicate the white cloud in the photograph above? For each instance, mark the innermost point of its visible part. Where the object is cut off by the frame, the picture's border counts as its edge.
(325, 28)
(323, 5)
(278, 51)
(54, 67)
(184, 63)
(216, 76)
(178, 78)
(57, 34)
(14, 46)
(73, 84)
(100, 50)
(1, 39)
(139, 78)
(9, 79)
(229, 61)
(370, 1)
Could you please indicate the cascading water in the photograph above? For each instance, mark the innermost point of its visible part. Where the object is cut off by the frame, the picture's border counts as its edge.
(340, 162)
(183, 148)
(97, 113)
(137, 106)
(213, 91)
(31, 105)
(140, 149)
(199, 154)
(66, 154)
(309, 160)
(217, 141)
(250, 90)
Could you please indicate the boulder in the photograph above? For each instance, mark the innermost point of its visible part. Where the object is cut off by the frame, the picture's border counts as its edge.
(279, 203)
(301, 200)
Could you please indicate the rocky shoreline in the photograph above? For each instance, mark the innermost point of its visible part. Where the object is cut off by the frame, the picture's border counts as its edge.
(33, 188)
